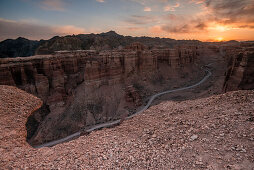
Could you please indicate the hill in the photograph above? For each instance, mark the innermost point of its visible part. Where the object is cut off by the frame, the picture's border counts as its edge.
(20, 47)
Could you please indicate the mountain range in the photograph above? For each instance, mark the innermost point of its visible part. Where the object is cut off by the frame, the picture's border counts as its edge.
(22, 47)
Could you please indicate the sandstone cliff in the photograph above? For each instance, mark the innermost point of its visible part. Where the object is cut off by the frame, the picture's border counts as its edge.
(240, 72)
(83, 88)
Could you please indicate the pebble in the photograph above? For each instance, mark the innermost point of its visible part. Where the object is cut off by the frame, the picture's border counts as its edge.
(193, 137)
(222, 134)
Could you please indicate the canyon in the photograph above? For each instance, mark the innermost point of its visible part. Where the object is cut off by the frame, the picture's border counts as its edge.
(81, 89)
(127, 84)
(86, 87)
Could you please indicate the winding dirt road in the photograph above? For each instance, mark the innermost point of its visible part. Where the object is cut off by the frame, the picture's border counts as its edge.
(112, 123)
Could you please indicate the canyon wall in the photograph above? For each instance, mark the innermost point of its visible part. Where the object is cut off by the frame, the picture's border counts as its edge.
(53, 77)
(240, 71)
(83, 88)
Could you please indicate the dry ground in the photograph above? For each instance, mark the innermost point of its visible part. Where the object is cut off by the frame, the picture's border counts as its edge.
(209, 133)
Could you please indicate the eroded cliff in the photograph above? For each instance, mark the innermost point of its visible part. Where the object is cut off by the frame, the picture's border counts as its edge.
(240, 72)
(83, 88)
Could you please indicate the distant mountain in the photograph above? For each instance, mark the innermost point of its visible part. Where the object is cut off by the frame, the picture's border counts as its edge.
(22, 47)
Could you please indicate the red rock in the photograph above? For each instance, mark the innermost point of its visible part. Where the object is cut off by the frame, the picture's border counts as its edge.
(61, 78)
(240, 72)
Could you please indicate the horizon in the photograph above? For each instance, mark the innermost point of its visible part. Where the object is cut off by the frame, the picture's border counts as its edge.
(203, 20)
(124, 36)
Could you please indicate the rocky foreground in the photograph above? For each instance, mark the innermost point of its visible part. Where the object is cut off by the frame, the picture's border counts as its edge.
(209, 133)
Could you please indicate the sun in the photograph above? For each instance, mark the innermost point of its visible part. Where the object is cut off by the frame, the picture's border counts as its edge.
(219, 39)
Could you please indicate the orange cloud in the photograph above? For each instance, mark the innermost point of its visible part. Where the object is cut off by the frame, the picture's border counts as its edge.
(68, 29)
(147, 9)
(134, 28)
(156, 29)
(197, 1)
(171, 8)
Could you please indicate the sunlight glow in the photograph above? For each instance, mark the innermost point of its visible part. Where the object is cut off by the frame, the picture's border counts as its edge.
(220, 28)
(219, 39)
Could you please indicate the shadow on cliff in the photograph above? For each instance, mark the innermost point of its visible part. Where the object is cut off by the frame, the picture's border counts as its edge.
(34, 120)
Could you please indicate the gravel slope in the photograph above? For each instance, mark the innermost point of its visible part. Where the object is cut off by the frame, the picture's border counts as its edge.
(209, 133)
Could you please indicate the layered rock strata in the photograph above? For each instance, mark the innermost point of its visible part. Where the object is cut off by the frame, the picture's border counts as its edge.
(83, 88)
(240, 72)
(53, 77)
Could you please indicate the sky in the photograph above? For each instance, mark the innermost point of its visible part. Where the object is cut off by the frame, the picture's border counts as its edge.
(205, 20)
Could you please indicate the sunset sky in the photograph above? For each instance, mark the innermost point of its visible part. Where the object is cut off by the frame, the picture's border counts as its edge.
(206, 20)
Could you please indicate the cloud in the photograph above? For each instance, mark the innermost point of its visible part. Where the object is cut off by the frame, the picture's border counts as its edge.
(14, 29)
(134, 28)
(185, 28)
(68, 29)
(53, 5)
(156, 29)
(201, 16)
(180, 25)
(145, 2)
(171, 8)
(168, 8)
(141, 20)
(100, 1)
(147, 9)
(232, 11)
(173, 17)
(216, 15)
(157, 5)
(197, 1)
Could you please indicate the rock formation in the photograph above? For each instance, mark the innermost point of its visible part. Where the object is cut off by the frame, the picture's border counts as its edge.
(133, 96)
(240, 72)
(53, 77)
(83, 88)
